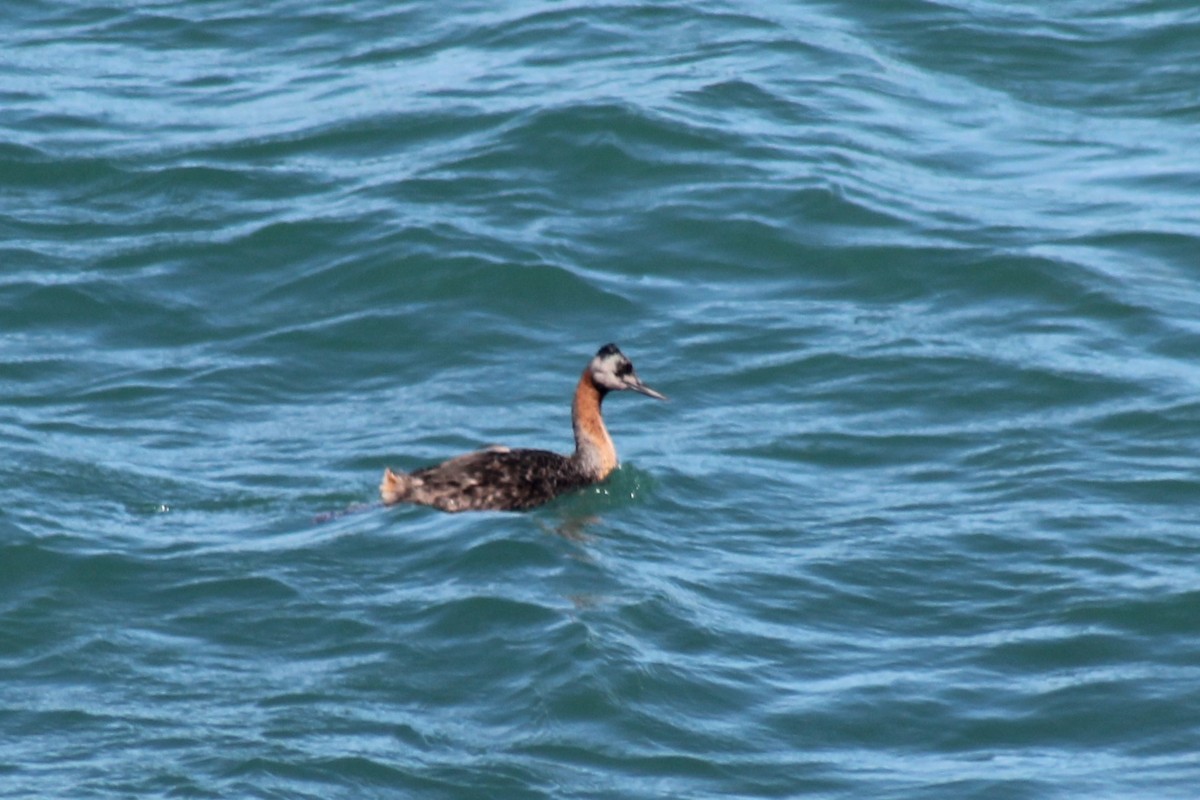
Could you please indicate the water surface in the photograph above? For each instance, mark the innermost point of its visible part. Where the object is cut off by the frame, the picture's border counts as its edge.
(920, 280)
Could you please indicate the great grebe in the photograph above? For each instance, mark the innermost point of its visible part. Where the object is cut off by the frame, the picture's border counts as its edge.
(501, 479)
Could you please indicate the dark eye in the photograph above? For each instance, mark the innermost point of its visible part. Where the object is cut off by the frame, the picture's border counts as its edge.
(624, 368)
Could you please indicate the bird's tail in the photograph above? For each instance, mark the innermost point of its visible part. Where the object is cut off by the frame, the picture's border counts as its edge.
(394, 487)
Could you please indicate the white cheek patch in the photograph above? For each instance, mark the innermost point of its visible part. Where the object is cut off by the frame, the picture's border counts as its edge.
(604, 373)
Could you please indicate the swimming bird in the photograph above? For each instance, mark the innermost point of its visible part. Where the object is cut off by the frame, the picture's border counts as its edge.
(502, 479)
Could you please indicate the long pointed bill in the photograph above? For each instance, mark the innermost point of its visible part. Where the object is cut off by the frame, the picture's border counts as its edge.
(635, 383)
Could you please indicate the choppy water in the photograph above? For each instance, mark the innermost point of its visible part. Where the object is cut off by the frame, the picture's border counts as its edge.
(921, 279)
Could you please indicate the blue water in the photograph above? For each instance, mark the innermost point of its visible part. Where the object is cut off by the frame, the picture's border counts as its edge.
(921, 280)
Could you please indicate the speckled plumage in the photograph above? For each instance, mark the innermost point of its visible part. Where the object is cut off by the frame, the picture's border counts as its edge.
(501, 479)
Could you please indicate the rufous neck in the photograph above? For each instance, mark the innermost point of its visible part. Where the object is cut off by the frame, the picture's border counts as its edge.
(594, 450)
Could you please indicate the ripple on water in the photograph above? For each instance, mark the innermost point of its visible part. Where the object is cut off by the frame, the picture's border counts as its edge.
(917, 522)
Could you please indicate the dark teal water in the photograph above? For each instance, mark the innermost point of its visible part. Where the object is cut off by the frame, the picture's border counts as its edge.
(921, 279)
